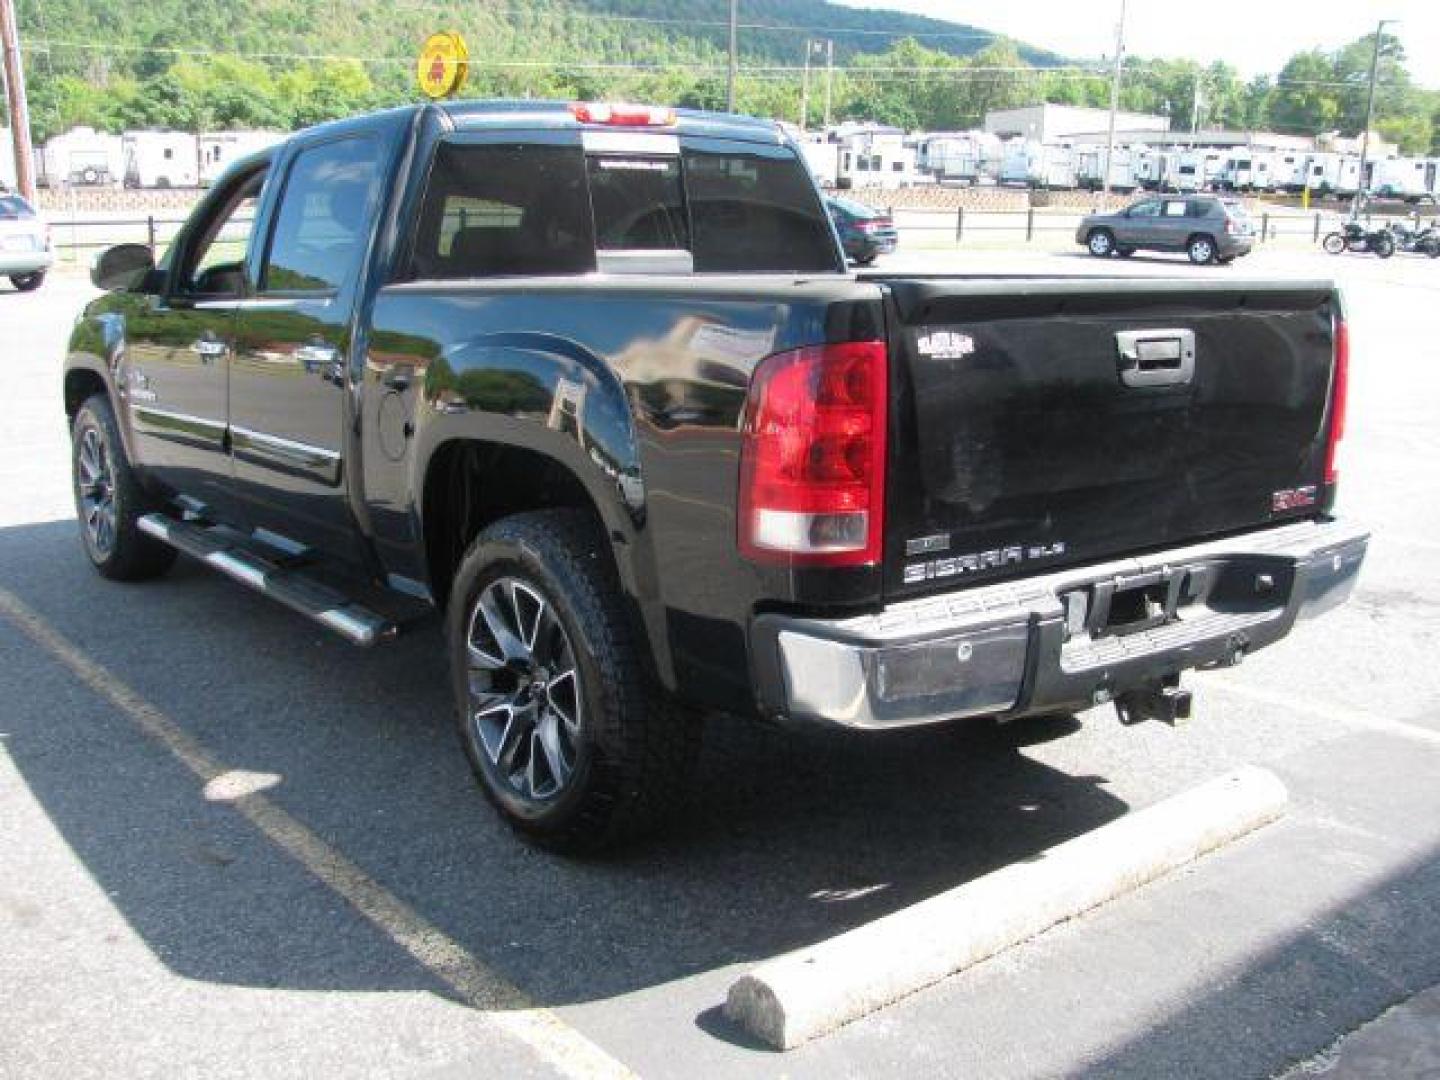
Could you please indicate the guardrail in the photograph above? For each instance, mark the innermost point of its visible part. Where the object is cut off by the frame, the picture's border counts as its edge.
(77, 238)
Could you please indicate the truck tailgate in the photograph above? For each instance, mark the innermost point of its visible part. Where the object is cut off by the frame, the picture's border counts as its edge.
(1044, 422)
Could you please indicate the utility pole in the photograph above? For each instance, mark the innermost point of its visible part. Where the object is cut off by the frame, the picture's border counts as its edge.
(734, 54)
(805, 88)
(1369, 104)
(1114, 96)
(15, 97)
(829, 75)
(1195, 113)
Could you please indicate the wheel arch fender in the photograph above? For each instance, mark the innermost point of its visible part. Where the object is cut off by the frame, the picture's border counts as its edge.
(547, 396)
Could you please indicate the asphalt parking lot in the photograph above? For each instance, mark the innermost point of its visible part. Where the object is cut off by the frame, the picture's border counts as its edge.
(156, 923)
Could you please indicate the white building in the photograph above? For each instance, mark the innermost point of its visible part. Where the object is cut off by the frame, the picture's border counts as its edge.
(161, 159)
(1054, 123)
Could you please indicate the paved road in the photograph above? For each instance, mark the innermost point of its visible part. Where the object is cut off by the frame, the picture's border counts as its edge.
(345, 917)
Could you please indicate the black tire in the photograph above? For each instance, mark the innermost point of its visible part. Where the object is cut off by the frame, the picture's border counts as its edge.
(28, 282)
(109, 504)
(1334, 243)
(1385, 247)
(1125, 252)
(866, 260)
(1201, 249)
(1432, 249)
(1100, 243)
(631, 752)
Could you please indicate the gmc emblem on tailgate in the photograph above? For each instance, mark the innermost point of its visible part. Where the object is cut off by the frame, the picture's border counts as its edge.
(1292, 498)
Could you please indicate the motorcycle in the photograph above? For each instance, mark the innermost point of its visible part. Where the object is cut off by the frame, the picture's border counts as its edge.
(1355, 237)
(1414, 240)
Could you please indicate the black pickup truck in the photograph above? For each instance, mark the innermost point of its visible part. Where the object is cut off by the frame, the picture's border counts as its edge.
(593, 382)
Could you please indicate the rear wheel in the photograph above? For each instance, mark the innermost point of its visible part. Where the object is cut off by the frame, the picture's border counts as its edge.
(1101, 243)
(565, 730)
(1385, 246)
(1334, 243)
(28, 282)
(1201, 250)
(109, 500)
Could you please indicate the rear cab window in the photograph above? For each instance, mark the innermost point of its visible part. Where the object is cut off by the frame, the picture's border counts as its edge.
(532, 207)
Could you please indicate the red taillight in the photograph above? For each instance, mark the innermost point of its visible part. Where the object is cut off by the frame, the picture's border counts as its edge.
(874, 225)
(1338, 398)
(812, 460)
(622, 115)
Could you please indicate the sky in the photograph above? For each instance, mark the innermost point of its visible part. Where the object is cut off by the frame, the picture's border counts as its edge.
(1256, 36)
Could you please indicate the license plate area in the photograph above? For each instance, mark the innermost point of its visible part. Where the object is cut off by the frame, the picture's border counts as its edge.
(1127, 605)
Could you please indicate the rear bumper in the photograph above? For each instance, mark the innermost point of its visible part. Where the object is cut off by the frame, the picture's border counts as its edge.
(1043, 644)
(25, 262)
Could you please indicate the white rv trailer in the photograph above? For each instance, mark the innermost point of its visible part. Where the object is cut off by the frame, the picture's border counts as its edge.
(1090, 168)
(1028, 163)
(219, 148)
(1248, 170)
(1333, 174)
(161, 159)
(823, 160)
(1288, 171)
(1404, 177)
(80, 157)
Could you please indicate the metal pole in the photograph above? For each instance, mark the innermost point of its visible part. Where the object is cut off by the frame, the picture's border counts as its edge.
(805, 88)
(1370, 103)
(1114, 96)
(19, 106)
(734, 55)
(829, 75)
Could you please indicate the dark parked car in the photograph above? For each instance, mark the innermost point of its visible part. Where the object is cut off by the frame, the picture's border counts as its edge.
(864, 231)
(593, 385)
(1207, 228)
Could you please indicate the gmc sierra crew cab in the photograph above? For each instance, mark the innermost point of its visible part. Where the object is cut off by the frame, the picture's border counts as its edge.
(593, 381)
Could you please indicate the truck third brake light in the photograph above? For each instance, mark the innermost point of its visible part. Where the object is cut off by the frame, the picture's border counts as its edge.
(622, 115)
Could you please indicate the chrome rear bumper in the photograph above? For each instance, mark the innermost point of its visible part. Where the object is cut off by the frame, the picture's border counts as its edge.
(1064, 641)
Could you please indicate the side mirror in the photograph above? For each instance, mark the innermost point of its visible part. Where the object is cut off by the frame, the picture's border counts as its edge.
(122, 268)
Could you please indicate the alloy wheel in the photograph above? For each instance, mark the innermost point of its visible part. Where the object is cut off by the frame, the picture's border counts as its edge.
(96, 482)
(524, 688)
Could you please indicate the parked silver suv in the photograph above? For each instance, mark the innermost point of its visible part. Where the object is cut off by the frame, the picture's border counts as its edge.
(1207, 228)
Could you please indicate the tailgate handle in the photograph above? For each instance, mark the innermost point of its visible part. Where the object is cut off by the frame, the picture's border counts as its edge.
(1156, 357)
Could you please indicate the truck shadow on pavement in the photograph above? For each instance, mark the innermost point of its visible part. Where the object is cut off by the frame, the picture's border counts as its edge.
(789, 838)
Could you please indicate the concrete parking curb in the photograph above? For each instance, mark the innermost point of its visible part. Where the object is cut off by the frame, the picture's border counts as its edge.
(813, 991)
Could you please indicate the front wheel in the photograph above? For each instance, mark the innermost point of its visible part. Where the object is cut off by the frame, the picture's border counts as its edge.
(28, 282)
(1100, 243)
(1334, 243)
(1385, 247)
(1201, 250)
(109, 500)
(559, 716)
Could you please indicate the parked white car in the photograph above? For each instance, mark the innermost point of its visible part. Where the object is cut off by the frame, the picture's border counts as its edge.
(25, 249)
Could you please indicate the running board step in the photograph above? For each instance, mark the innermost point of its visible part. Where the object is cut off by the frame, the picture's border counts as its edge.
(291, 587)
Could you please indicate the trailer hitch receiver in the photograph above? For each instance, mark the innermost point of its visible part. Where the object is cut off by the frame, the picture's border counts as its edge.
(1163, 700)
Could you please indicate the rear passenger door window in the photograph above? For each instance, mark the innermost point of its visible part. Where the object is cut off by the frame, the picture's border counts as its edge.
(497, 209)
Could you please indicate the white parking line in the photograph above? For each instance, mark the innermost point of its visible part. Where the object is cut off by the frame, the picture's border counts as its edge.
(1355, 718)
(504, 1004)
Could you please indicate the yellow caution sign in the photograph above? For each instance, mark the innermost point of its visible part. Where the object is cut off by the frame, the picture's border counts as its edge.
(443, 65)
